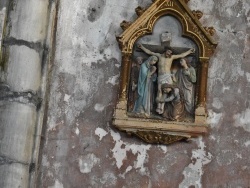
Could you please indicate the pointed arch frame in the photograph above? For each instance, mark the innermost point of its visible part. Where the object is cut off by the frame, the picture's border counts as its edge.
(192, 29)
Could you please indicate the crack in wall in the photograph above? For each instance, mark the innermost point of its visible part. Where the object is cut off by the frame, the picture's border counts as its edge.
(26, 97)
(6, 160)
(10, 41)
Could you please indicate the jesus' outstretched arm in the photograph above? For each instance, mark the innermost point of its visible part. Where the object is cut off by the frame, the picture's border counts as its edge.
(148, 51)
(192, 50)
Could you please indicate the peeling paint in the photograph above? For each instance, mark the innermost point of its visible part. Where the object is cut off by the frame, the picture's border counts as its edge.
(129, 168)
(77, 131)
(45, 161)
(239, 156)
(212, 137)
(99, 107)
(217, 103)
(196, 4)
(66, 98)
(120, 152)
(194, 171)
(57, 166)
(248, 76)
(214, 118)
(247, 143)
(100, 132)
(52, 124)
(113, 80)
(161, 169)
(243, 120)
(50, 174)
(108, 179)
(58, 184)
(87, 162)
(163, 148)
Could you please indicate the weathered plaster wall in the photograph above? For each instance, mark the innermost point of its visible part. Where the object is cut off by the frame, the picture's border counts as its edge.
(81, 148)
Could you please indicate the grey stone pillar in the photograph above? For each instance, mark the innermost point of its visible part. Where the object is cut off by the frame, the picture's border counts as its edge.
(24, 44)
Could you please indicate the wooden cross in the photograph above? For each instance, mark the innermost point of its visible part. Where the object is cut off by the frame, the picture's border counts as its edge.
(165, 44)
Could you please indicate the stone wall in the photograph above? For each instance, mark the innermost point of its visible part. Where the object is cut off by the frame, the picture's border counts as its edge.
(25, 45)
(81, 148)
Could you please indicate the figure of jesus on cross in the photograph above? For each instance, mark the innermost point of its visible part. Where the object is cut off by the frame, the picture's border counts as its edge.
(165, 61)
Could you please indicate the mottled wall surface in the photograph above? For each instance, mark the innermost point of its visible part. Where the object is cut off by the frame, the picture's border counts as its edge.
(81, 148)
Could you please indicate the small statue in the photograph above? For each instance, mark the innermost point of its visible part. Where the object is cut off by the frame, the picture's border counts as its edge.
(143, 104)
(164, 72)
(174, 103)
(135, 69)
(185, 78)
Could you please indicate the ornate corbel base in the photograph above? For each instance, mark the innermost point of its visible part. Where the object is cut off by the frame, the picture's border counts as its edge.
(153, 137)
(156, 131)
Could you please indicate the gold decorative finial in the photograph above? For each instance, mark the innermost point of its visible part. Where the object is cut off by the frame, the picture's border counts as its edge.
(139, 11)
(197, 13)
(211, 31)
(125, 24)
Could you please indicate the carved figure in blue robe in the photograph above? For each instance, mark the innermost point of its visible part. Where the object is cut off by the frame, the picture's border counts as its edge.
(143, 104)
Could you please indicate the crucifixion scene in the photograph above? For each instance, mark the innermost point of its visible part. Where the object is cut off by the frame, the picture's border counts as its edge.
(162, 80)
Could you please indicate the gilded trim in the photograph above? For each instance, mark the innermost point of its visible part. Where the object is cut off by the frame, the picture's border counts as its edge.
(160, 131)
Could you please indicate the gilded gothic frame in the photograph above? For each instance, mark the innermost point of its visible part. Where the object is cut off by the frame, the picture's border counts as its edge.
(159, 131)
